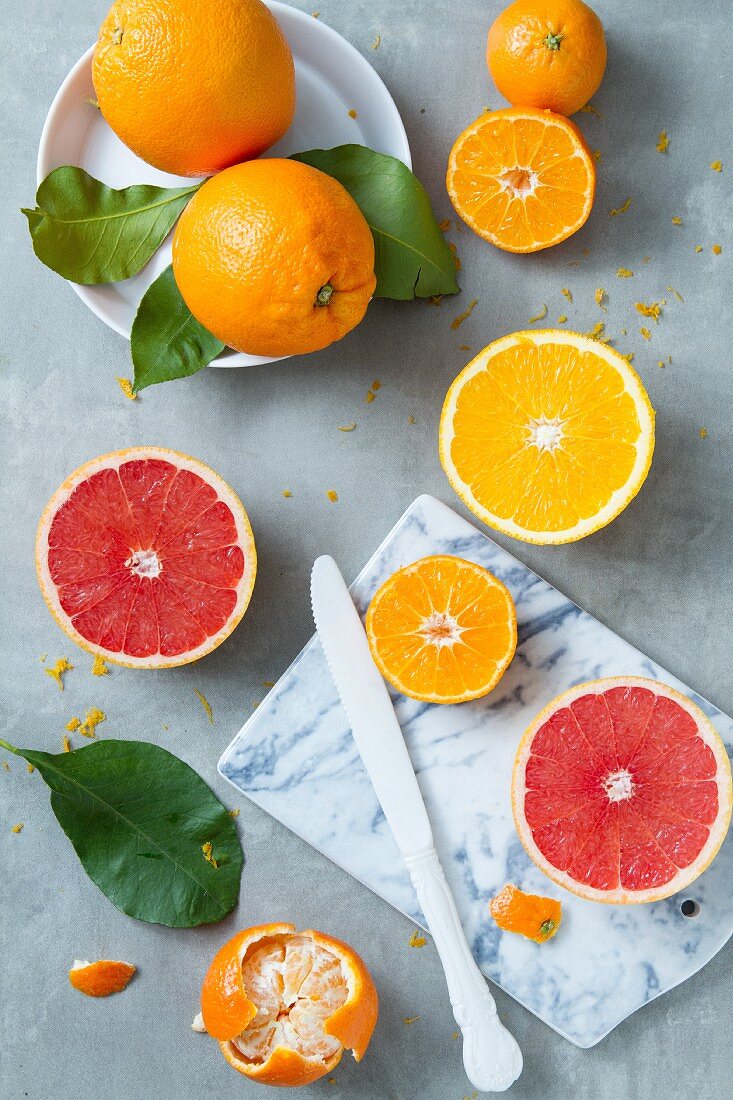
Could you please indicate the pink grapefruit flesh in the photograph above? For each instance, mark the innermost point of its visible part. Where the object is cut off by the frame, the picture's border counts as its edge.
(621, 791)
(146, 557)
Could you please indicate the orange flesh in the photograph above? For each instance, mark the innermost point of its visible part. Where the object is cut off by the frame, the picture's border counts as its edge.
(295, 986)
(530, 915)
(442, 629)
(523, 179)
(545, 435)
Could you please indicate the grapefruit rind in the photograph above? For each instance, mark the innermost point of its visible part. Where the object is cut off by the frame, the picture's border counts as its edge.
(618, 500)
(225, 493)
(718, 830)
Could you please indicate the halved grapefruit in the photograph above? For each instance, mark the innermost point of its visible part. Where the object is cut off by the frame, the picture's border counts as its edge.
(621, 791)
(146, 557)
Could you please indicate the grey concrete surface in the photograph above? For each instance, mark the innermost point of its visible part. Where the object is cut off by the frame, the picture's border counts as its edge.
(660, 575)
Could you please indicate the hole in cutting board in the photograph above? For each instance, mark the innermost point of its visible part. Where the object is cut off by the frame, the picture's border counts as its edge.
(689, 908)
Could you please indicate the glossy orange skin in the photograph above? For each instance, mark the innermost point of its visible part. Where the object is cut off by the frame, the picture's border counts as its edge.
(192, 86)
(515, 911)
(526, 68)
(226, 1009)
(100, 979)
(256, 245)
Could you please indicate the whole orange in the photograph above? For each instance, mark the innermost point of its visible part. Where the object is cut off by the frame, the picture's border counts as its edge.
(192, 86)
(274, 257)
(547, 53)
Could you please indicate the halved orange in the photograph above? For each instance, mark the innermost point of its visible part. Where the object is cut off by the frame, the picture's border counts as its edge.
(284, 1005)
(522, 178)
(442, 630)
(100, 978)
(547, 435)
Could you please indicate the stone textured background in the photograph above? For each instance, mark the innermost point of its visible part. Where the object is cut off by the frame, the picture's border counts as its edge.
(660, 575)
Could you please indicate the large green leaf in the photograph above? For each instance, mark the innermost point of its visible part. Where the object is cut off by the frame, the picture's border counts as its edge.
(167, 341)
(138, 817)
(412, 258)
(91, 233)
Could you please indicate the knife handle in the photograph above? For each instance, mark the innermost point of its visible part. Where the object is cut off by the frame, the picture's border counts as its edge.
(491, 1056)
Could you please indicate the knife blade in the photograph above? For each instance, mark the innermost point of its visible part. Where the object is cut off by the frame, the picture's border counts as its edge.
(491, 1056)
(368, 708)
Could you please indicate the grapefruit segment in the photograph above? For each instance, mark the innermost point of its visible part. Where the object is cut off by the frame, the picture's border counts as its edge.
(621, 791)
(146, 557)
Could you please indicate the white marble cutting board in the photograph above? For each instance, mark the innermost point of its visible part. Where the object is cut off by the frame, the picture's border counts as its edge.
(295, 758)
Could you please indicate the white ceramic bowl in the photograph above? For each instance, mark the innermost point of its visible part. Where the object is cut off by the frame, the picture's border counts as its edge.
(332, 78)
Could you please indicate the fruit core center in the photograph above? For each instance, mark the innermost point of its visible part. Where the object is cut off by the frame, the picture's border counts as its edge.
(440, 629)
(545, 433)
(323, 297)
(519, 181)
(618, 786)
(144, 563)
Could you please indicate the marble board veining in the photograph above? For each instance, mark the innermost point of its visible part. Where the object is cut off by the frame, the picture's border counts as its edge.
(295, 758)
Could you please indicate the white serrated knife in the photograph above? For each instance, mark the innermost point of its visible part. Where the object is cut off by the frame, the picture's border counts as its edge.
(490, 1054)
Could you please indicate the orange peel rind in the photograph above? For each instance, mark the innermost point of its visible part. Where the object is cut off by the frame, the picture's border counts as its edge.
(101, 978)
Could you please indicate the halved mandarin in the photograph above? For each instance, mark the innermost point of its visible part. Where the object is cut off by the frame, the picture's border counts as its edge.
(547, 436)
(522, 178)
(442, 630)
(284, 1005)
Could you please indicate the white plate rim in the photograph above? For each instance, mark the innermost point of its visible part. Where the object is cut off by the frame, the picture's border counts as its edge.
(230, 358)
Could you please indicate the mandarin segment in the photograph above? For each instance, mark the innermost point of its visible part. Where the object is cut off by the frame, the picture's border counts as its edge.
(442, 630)
(547, 435)
(522, 179)
(621, 791)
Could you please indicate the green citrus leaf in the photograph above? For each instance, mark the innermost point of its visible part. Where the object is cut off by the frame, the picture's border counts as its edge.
(167, 341)
(138, 817)
(412, 258)
(91, 233)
